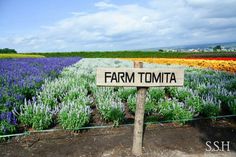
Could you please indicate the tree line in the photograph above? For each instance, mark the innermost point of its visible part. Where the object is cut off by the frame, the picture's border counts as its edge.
(7, 50)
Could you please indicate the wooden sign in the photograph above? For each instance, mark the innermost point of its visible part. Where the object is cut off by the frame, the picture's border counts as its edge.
(140, 77)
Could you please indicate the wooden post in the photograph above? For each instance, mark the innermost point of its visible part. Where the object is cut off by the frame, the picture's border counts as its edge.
(111, 77)
(139, 117)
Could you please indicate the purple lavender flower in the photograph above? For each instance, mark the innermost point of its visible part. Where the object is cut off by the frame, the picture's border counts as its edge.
(2, 116)
(14, 120)
(21, 78)
(9, 115)
(8, 104)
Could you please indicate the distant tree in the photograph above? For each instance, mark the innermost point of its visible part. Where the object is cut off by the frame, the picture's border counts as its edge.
(217, 48)
(7, 50)
(160, 50)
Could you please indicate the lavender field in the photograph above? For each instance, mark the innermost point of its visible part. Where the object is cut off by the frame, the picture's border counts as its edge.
(47, 92)
(20, 79)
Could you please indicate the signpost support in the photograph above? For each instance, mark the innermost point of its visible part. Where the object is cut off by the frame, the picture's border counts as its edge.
(142, 79)
(139, 117)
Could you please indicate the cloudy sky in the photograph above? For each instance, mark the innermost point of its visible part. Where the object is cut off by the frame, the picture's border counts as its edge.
(77, 25)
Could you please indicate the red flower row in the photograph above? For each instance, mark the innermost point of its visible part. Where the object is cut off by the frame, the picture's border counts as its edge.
(220, 58)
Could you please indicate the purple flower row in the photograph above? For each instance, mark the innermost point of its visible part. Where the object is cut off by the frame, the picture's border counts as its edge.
(9, 117)
(21, 78)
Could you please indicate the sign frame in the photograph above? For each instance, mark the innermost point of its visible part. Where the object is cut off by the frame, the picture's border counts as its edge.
(140, 77)
(141, 92)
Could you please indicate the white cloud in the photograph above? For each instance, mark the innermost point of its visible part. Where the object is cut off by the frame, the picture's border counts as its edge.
(104, 5)
(132, 26)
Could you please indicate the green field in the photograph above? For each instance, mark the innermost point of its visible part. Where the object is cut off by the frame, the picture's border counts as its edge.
(117, 54)
(122, 54)
(137, 54)
(15, 55)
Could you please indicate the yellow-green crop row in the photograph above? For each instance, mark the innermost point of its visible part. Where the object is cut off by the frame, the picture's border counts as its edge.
(12, 55)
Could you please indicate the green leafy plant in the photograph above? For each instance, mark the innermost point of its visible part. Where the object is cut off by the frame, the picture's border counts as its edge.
(202, 90)
(115, 115)
(35, 115)
(6, 128)
(110, 105)
(156, 94)
(170, 91)
(232, 106)
(181, 114)
(132, 103)
(181, 94)
(41, 119)
(232, 85)
(124, 93)
(111, 109)
(149, 108)
(210, 110)
(75, 93)
(74, 114)
(225, 99)
(171, 110)
(194, 104)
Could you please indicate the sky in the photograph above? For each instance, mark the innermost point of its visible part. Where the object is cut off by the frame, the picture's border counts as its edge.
(91, 25)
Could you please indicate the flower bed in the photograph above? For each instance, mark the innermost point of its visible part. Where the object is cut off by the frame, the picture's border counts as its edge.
(20, 79)
(215, 58)
(72, 99)
(13, 55)
(216, 64)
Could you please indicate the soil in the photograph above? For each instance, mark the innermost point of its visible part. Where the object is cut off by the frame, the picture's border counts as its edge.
(215, 55)
(159, 140)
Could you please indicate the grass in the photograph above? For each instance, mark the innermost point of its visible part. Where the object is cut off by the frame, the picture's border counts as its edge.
(13, 55)
(118, 54)
(138, 54)
(123, 54)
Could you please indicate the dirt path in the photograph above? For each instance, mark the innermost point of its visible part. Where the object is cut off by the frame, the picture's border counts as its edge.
(159, 140)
